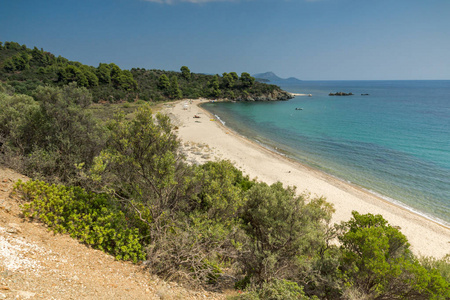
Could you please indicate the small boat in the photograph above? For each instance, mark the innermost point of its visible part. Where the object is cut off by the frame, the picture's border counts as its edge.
(298, 108)
(309, 95)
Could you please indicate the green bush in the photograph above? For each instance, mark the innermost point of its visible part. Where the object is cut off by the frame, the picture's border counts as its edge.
(280, 226)
(86, 216)
(441, 265)
(377, 262)
(275, 290)
(194, 249)
(222, 188)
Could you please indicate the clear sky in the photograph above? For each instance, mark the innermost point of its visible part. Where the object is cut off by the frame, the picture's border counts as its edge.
(310, 40)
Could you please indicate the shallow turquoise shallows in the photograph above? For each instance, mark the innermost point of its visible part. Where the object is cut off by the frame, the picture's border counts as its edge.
(395, 141)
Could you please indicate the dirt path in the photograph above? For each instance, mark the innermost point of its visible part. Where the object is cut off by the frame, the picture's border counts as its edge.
(36, 264)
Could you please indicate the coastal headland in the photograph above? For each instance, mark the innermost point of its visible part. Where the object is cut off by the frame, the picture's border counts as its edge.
(205, 138)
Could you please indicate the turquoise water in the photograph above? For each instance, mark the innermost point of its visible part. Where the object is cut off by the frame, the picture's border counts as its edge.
(394, 142)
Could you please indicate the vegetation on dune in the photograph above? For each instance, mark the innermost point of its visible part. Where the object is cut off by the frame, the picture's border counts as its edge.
(123, 186)
(26, 69)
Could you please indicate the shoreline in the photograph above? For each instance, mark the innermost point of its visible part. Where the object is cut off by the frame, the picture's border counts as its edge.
(331, 177)
(426, 236)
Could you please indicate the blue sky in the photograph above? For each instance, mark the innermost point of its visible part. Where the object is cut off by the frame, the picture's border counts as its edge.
(310, 40)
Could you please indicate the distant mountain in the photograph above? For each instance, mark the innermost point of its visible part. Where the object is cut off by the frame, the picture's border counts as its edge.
(270, 77)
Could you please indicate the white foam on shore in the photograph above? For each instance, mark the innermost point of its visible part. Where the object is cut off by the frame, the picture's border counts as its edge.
(409, 208)
(385, 198)
(377, 194)
(219, 119)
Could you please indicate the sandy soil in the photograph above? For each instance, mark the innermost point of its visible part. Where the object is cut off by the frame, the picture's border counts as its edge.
(37, 264)
(205, 138)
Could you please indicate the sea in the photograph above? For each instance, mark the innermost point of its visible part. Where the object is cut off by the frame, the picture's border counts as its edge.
(393, 141)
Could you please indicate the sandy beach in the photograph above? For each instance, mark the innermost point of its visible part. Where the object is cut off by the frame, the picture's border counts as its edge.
(204, 138)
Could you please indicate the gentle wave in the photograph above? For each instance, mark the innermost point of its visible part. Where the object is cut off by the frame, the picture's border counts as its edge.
(219, 119)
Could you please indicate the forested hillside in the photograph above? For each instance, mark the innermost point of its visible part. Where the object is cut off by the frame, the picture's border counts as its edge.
(25, 69)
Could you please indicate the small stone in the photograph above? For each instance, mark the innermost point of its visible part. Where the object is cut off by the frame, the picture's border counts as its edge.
(25, 294)
(6, 273)
(13, 228)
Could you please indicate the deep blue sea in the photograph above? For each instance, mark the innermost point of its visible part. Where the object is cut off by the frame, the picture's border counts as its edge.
(394, 142)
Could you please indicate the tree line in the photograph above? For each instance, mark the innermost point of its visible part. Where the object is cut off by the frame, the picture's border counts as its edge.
(124, 186)
(26, 69)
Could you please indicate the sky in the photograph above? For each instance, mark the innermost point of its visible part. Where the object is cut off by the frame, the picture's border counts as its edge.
(306, 39)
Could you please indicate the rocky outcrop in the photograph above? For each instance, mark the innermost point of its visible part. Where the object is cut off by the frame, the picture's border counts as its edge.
(340, 94)
(276, 95)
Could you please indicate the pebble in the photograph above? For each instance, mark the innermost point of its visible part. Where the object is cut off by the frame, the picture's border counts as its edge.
(13, 228)
(25, 294)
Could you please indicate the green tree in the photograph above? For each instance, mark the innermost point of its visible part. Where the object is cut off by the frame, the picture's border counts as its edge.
(164, 83)
(247, 80)
(280, 227)
(18, 120)
(48, 137)
(174, 89)
(115, 73)
(79, 96)
(90, 75)
(235, 76)
(21, 61)
(222, 187)
(104, 74)
(6, 89)
(215, 86)
(376, 261)
(122, 79)
(185, 72)
(143, 167)
(65, 136)
(126, 81)
(12, 46)
(228, 80)
(37, 56)
(9, 66)
(72, 73)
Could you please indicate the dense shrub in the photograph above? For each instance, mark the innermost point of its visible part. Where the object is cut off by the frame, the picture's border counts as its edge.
(85, 216)
(222, 188)
(280, 227)
(51, 134)
(141, 164)
(275, 290)
(376, 262)
(441, 265)
(195, 249)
